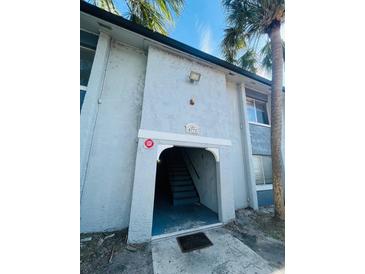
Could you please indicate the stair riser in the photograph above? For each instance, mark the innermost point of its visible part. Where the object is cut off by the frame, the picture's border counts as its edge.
(177, 168)
(181, 183)
(179, 178)
(182, 188)
(185, 201)
(179, 173)
(184, 194)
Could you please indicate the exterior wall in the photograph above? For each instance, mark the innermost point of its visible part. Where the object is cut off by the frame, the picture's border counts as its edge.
(90, 106)
(261, 145)
(206, 185)
(236, 136)
(216, 109)
(168, 90)
(106, 199)
(162, 86)
(166, 111)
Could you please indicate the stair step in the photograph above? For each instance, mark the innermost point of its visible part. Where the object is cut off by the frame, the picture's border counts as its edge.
(182, 168)
(185, 201)
(188, 187)
(178, 172)
(181, 182)
(178, 168)
(184, 194)
(179, 177)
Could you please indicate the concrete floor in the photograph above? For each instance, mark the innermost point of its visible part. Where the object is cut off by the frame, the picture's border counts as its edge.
(168, 219)
(227, 255)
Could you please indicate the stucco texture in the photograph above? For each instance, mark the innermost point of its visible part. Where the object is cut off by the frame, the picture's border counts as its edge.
(204, 163)
(105, 202)
(216, 110)
(168, 91)
(237, 156)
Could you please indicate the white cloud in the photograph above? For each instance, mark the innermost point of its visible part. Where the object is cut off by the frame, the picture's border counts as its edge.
(206, 42)
(262, 72)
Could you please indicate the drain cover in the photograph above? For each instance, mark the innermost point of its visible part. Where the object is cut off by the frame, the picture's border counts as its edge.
(193, 242)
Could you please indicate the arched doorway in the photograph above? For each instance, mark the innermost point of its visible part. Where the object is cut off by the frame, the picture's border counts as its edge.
(186, 195)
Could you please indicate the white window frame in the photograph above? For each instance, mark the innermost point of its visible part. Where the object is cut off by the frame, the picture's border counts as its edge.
(263, 186)
(83, 88)
(267, 113)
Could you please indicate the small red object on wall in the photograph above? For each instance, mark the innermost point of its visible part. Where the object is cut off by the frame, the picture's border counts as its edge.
(149, 143)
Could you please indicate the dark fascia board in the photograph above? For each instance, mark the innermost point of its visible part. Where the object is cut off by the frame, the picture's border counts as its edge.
(126, 24)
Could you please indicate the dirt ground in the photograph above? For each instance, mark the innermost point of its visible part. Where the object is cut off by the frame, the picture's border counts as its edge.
(262, 233)
(111, 255)
(108, 253)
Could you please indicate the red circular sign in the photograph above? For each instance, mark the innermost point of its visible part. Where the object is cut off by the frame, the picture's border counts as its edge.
(149, 143)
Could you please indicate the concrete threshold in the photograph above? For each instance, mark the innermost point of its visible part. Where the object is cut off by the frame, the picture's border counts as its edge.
(185, 232)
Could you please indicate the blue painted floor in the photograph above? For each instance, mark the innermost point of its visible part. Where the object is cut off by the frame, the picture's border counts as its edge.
(168, 219)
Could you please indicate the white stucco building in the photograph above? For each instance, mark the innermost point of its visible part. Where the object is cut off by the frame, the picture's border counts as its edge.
(172, 138)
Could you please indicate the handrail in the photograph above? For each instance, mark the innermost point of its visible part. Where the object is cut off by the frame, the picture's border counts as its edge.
(191, 163)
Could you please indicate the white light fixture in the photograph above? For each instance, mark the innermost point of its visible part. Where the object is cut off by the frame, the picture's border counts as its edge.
(194, 76)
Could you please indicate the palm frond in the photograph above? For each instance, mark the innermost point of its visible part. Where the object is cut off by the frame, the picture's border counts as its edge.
(153, 14)
(248, 61)
(233, 41)
(107, 5)
(266, 55)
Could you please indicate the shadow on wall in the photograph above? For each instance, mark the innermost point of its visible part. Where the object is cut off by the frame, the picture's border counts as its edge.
(202, 167)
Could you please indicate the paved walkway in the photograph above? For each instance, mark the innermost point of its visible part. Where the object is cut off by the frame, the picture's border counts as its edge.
(227, 255)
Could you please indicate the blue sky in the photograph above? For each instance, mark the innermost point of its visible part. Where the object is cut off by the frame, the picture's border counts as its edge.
(200, 25)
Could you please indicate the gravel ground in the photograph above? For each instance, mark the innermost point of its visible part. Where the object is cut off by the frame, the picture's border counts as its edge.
(108, 253)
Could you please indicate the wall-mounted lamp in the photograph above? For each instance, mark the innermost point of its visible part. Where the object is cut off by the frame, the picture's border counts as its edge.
(194, 77)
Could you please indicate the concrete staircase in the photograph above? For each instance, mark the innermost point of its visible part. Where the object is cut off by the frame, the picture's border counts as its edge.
(181, 184)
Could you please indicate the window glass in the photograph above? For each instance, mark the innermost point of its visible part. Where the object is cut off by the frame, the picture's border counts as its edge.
(261, 112)
(258, 170)
(262, 169)
(266, 163)
(251, 110)
(86, 62)
(82, 96)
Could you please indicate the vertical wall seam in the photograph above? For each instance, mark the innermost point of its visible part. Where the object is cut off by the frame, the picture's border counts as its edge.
(95, 120)
(246, 144)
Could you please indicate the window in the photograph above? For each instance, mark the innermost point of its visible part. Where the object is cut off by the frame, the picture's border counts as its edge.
(263, 170)
(86, 62)
(257, 111)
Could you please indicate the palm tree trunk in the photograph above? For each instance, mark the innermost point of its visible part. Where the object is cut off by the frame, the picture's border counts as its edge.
(276, 120)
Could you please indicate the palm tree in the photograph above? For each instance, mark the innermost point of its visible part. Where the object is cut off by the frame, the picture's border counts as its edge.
(248, 60)
(252, 20)
(153, 14)
(266, 55)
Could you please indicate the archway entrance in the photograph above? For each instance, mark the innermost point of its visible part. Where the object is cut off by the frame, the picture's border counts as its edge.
(186, 195)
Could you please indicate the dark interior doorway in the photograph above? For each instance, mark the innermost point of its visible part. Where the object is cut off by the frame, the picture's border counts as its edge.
(177, 204)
